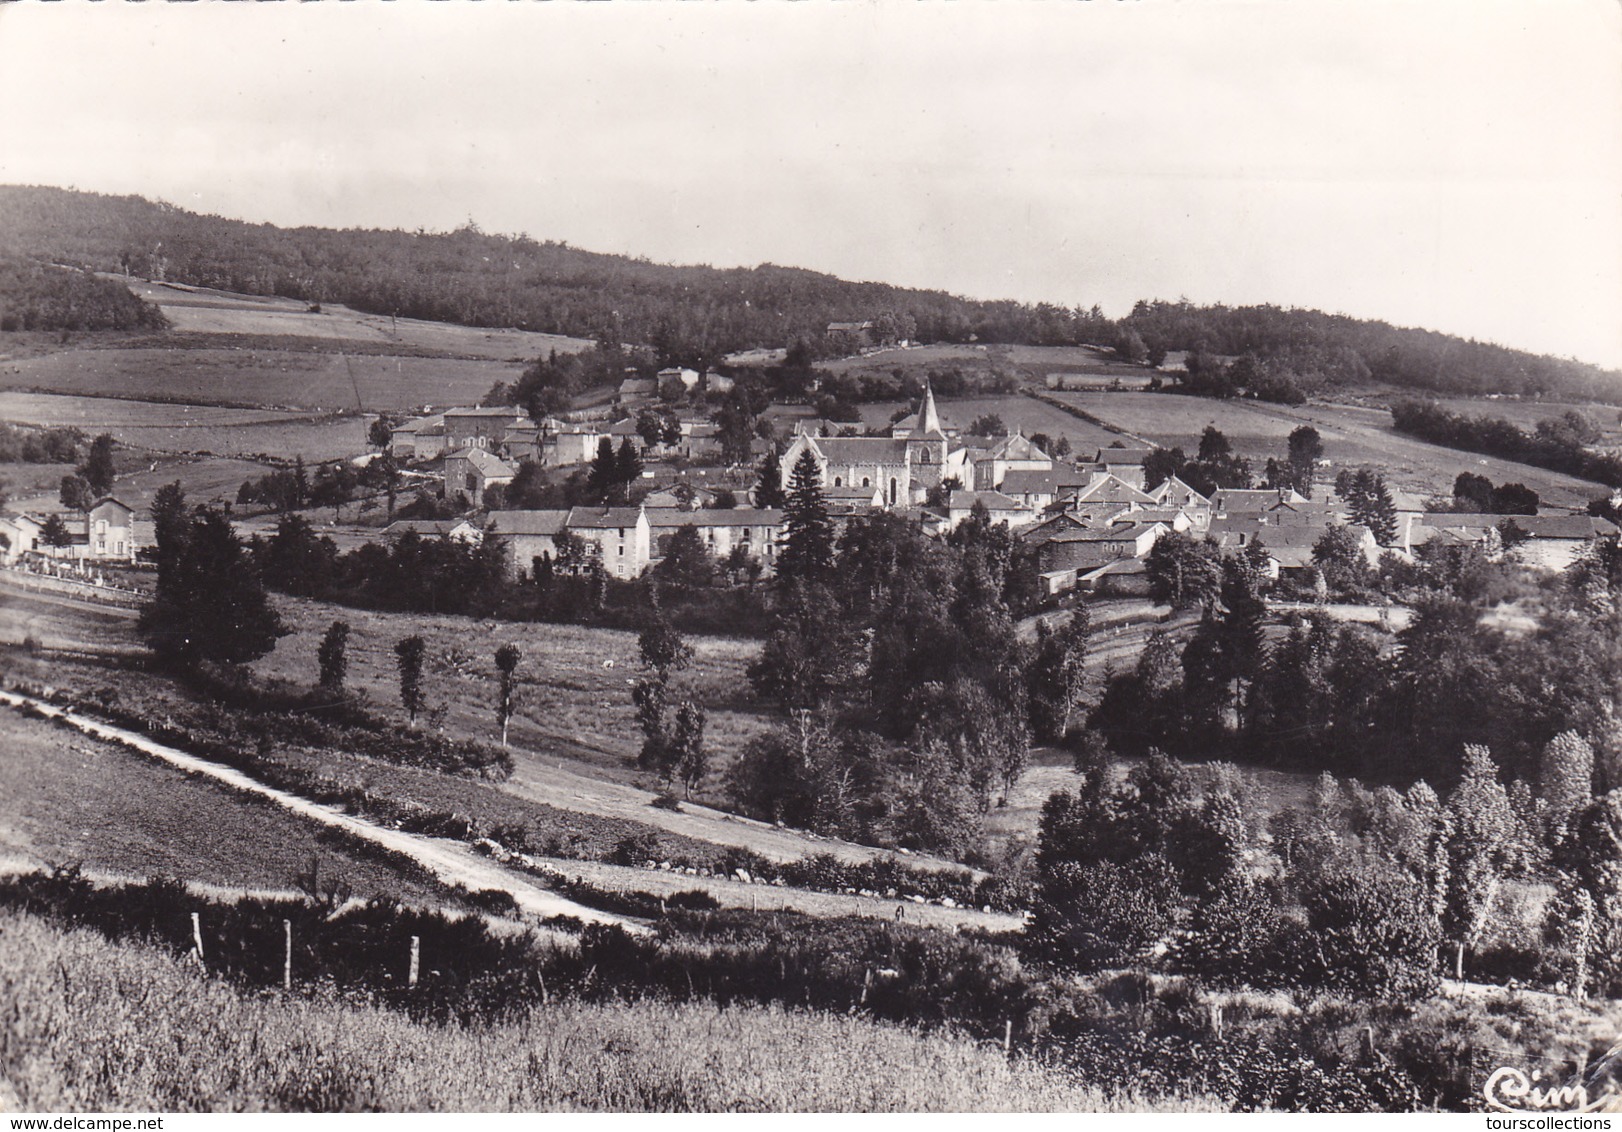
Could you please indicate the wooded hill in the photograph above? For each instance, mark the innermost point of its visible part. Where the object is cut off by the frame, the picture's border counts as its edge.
(695, 314)
(687, 313)
(1318, 349)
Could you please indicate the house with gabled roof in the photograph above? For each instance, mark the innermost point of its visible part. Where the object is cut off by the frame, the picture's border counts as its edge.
(457, 530)
(481, 426)
(1040, 489)
(999, 508)
(529, 536)
(617, 537)
(1125, 463)
(419, 439)
(473, 471)
(759, 530)
(1014, 452)
(19, 535)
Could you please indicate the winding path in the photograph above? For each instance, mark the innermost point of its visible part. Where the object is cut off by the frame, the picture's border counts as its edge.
(450, 861)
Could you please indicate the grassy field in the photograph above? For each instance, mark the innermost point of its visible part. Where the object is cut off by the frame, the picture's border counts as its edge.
(1016, 410)
(103, 1027)
(280, 378)
(571, 706)
(67, 798)
(1352, 437)
(1032, 362)
(151, 427)
(204, 310)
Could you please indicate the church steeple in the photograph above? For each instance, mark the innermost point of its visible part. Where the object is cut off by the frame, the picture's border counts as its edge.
(929, 420)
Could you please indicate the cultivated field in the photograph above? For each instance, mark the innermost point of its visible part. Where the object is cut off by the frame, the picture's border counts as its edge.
(105, 1027)
(207, 311)
(1031, 362)
(1352, 437)
(66, 798)
(1016, 410)
(149, 426)
(290, 378)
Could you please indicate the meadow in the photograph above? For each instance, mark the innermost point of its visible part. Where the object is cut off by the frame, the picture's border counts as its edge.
(208, 311)
(260, 375)
(1352, 436)
(66, 798)
(153, 427)
(125, 1027)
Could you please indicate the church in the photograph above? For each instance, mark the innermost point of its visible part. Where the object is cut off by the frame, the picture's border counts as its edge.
(903, 466)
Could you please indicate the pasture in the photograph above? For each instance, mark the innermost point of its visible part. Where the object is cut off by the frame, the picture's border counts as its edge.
(68, 798)
(1033, 363)
(261, 375)
(206, 311)
(148, 426)
(1353, 437)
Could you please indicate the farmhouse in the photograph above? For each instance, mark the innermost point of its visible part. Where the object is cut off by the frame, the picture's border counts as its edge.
(470, 471)
(1012, 453)
(635, 391)
(1550, 542)
(1038, 490)
(457, 530)
(618, 537)
(480, 427)
(676, 380)
(1239, 501)
(998, 507)
(110, 531)
(1124, 463)
(19, 535)
(565, 443)
(529, 536)
(1090, 547)
(757, 530)
(420, 439)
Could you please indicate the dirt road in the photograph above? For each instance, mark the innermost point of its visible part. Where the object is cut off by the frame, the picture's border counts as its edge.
(451, 861)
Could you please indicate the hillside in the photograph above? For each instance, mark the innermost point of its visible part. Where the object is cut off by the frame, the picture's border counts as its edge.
(689, 314)
(476, 279)
(1331, 351)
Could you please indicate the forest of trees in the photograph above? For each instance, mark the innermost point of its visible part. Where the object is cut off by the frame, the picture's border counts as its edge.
(1308, 350)
(688, 314)
(40, 296)
(694, 314)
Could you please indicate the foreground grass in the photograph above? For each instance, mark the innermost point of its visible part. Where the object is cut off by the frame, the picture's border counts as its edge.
(101, 1027)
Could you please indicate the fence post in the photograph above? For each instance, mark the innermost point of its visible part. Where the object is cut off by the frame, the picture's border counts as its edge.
(197, 939)
(287, 956)
(1007, 1037)
(416, 951)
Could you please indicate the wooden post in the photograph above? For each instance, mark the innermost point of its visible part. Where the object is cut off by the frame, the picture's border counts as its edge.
(416, 954)
(287, 955)
(197, 938)
(1458, 961)
(867, 981)
(1368, 1044)
(1007, 1037)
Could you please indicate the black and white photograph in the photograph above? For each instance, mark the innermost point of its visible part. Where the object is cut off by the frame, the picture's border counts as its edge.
(837, 556)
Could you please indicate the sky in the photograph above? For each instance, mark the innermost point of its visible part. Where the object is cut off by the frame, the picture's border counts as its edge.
(1454, 165)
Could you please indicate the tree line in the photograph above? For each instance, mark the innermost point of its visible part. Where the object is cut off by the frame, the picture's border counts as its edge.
(1311, 350)
(39, 296)
(1557, 443)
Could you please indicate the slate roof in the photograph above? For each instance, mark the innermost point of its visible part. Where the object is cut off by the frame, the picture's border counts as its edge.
(529, 522)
